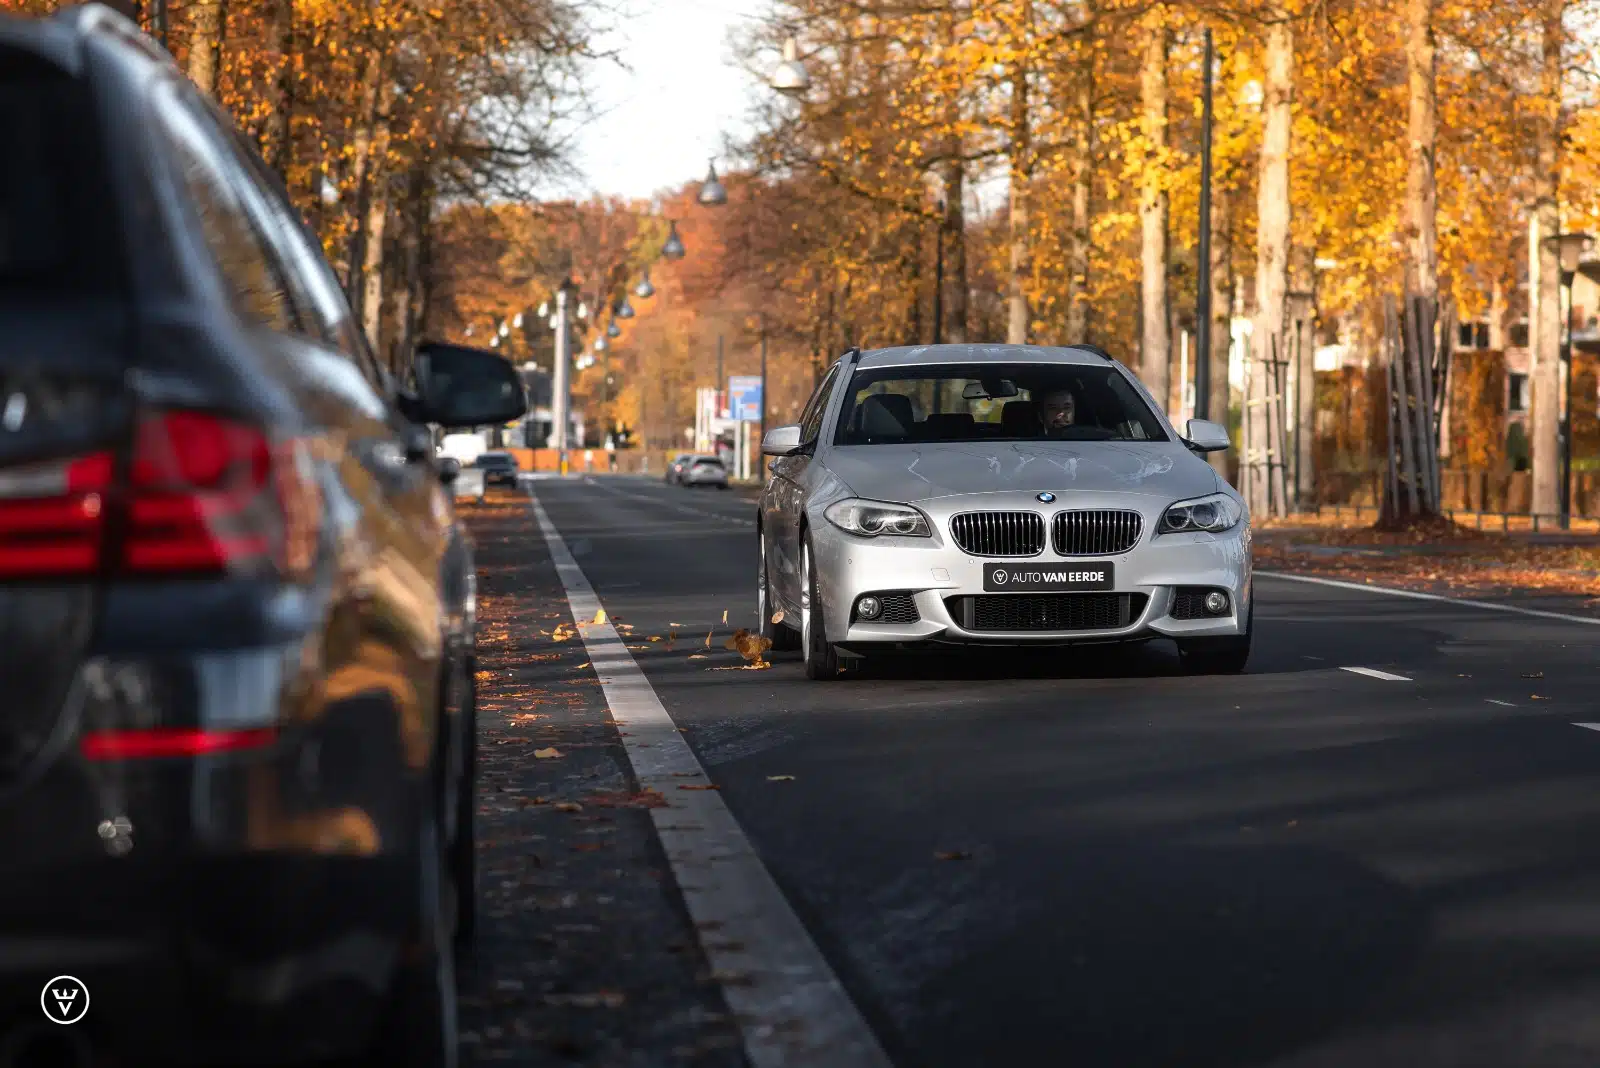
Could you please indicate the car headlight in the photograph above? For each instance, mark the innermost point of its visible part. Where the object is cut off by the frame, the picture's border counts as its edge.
(1213, 514)
(869, 519)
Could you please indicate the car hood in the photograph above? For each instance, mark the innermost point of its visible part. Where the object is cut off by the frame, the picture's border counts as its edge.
(912, 473)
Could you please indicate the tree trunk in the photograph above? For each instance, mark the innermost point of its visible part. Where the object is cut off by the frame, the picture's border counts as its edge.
(207, 22)
(1020, 152)
(280, 41)
(955, 250)
(1221, 310)
(1272, 264)
(1497, 316)
(1155, 347)
(1421, 214)
(1545, 323)
(408, 298)
(1079, 249)
(362, 155)
(373, 250)
(1421, 263)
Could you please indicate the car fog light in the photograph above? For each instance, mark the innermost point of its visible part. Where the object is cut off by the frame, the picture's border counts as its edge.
(1216, 602)
(869, 608)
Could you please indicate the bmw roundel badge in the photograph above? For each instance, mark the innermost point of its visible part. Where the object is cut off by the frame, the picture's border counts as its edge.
(1047, 497)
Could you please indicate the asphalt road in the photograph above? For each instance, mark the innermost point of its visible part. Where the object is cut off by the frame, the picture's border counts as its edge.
(1302, 866)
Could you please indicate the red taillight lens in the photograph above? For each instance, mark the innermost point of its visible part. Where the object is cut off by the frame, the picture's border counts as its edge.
(52, 517)
(160, 742)
(200, 496)
(204, 495)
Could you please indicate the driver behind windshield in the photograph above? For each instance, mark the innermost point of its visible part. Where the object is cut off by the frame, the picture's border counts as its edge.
(1058, 410)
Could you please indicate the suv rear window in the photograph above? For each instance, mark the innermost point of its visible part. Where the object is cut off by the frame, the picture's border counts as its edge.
(58, 228)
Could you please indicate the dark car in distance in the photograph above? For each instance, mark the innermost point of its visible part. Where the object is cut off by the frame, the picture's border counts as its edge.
(499, 468)
(236, 609)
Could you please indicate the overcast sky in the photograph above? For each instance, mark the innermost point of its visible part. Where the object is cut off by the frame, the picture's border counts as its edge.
(661, 119)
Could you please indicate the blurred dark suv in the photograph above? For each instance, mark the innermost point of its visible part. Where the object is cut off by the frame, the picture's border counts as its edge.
(499, 468)
(236, 610)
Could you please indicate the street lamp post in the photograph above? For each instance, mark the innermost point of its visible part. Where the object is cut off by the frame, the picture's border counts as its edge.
(1571, 249)
(938, 277)
(561, 379)
(1202, 295)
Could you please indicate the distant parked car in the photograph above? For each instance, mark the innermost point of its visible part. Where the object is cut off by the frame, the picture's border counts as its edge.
(675, 468)
(703, 471)
(499, 468)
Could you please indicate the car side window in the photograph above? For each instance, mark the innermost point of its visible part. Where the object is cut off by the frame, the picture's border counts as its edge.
(253, 279)
(816, 407)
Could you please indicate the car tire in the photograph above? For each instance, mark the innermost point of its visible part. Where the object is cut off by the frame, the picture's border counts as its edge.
(419, 1027)
(823, 663)
(1219, 656)
(784, 638)
(463, 857)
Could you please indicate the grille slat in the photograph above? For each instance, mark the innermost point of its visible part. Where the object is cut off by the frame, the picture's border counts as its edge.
(1047, 611)
(999, 533)
(1098, 532)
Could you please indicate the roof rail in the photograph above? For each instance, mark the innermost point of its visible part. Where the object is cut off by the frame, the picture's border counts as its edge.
(1094, 350)
(93, 18)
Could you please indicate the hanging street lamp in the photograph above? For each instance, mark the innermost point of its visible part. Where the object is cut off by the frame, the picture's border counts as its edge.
(624, 310)
(644, 290)
(613, 330)
(673, 248)
(790, 77)
(712, 193)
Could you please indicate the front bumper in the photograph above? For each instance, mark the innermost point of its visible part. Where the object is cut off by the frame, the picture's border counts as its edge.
(933, 573)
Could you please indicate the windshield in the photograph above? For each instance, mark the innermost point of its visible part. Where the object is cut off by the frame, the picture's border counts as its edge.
(989, 402)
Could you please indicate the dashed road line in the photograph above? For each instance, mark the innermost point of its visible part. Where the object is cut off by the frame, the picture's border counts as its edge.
(791, 1008)
(1417, 595)
(1386, 676)
(1502, 704)
(1588, 726)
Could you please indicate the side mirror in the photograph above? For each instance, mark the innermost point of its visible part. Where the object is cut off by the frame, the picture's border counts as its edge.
(449, 470)
(1202, 435)
(781, 441)
(463, 387)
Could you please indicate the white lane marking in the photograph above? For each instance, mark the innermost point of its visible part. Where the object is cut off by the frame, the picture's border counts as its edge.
(1416, 595)
(1506, 704)
(791, 1008)
(1588, 726)
(1376, 674)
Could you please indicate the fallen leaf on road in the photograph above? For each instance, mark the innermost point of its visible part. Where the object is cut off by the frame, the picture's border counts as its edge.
(698, 656)
(548, 754)
(1533, 675)
(954, 854)
(1292, 823)
(697, 786)
(676, 624)
(526, 717)
(1536, 697)
(724, 615)
(599, 616)
(581, 666)
(567, 806)
(708, 638)
(562, 633)
(655, 637)
(750, 646)
(777, 617)
(780, 778)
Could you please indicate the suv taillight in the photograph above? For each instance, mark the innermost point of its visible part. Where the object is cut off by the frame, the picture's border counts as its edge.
(204, 495)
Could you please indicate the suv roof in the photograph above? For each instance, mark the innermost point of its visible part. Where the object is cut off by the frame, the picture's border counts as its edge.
(923, 355)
